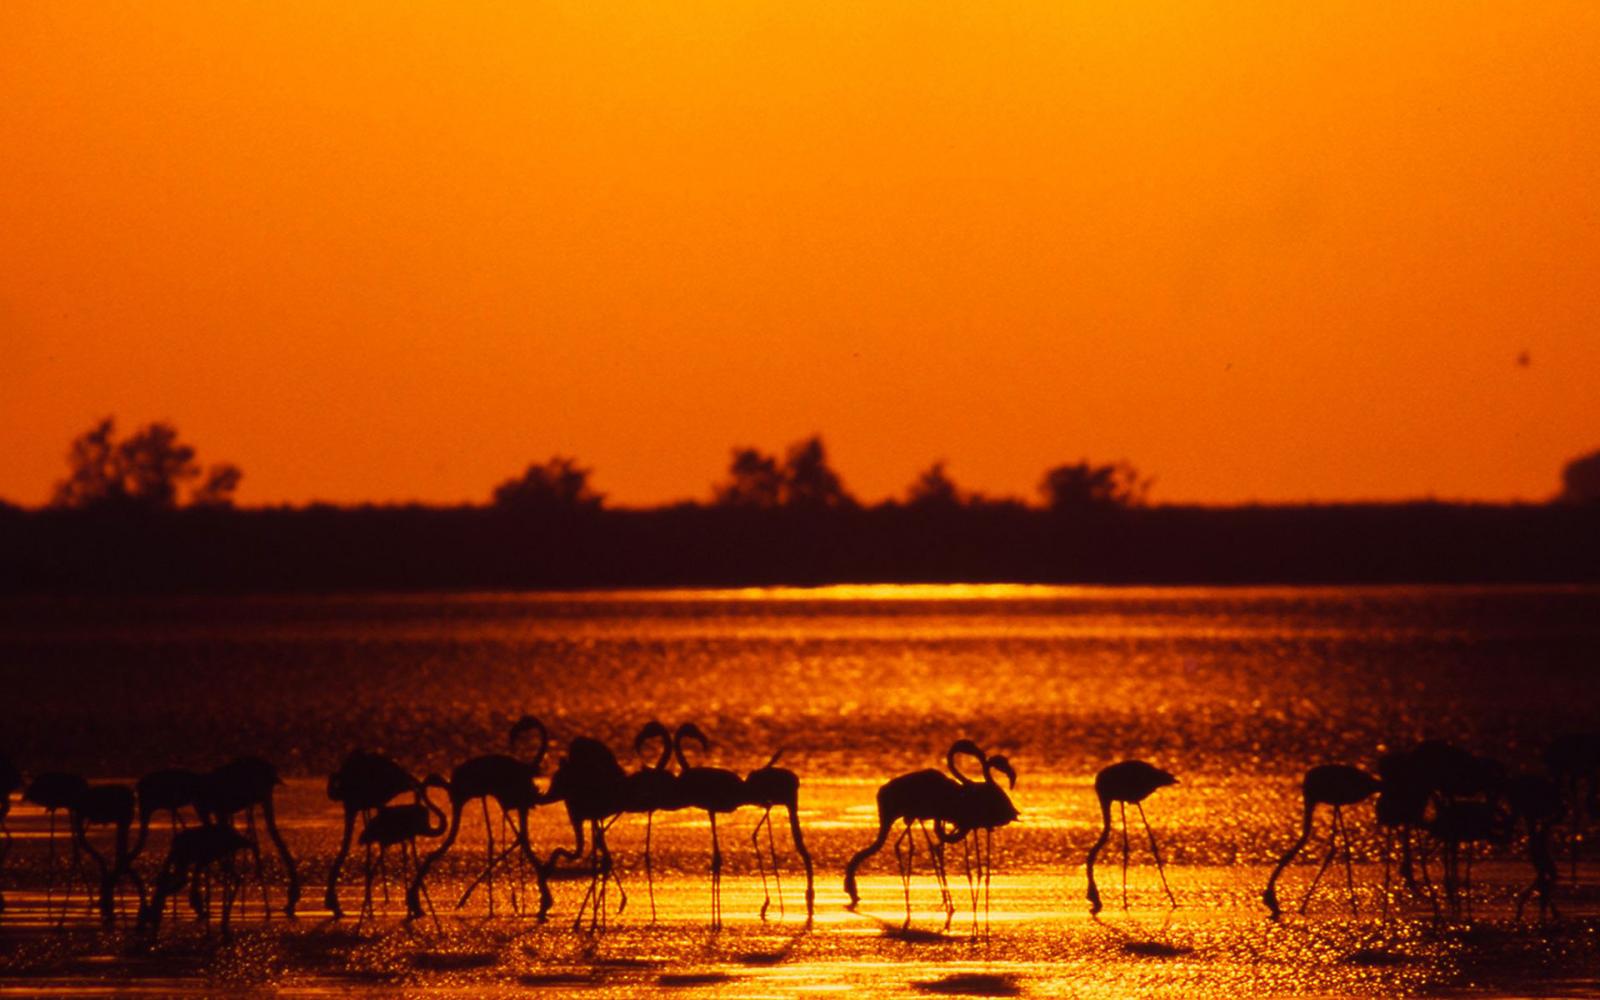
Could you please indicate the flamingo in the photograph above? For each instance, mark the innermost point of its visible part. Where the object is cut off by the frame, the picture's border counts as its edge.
(53, 791)
(167, 790)
(1536, 801)
(1573, 761)
(1406, 788)
(592, 785)
(982, 806)
(364, 782)
(916, 798)
(1335, 785)
(241, 785)
(1458, 825)
(714, 789)
(1128, 781)
(765, 787)
(110, 805)
(653, 787)
(194, 852)
(400, 826)
(510, 782)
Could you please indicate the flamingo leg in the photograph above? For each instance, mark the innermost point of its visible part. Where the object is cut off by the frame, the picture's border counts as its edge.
(488, 833)
(1160, 867)
(1333, 849)
(367, 870)
(903, 860)
(761, 864)
(973, 886)
(649, 873)
(331, 898)
(988, 875)
(716, 875)
(936, 852)
(1349, 870)
(777, 876)
(1124, 807)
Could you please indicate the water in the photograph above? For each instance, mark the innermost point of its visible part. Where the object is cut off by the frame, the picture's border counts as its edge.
(1236, 691)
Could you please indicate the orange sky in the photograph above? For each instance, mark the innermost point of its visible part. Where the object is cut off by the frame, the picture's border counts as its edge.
(390, 251)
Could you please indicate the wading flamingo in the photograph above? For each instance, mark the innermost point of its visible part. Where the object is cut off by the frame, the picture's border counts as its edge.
(108, 805)
(765, 787)
(194, 853)
(651, 789)
(591, 785)
(53, 791)
(917, 797)
(510, 782)
(1337, 786)
(400, 826)
(244, 785)
(364, 783)
(714, 789)
(982, 807)
(1128, 781)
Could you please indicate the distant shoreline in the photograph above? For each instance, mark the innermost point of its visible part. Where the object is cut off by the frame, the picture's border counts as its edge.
(477, 548)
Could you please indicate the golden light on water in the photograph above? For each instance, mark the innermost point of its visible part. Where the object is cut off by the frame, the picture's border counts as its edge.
(1234, 691)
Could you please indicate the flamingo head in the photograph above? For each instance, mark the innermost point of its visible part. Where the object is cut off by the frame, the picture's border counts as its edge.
(964, 747)
(999, 763)
(653, 730)
(689, 731)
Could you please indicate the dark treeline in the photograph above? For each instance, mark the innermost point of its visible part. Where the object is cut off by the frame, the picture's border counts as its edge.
(139, 513)
(201, 549)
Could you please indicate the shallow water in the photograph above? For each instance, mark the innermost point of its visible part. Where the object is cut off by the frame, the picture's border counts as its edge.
(1236, 691)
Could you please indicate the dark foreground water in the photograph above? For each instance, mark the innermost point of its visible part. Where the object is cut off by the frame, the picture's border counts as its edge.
(1235, 691)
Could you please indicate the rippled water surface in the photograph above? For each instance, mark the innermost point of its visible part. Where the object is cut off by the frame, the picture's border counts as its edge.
(1236, 691)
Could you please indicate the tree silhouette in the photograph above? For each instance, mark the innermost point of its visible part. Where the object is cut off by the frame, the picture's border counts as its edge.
(803, 482)
(1580, 480)
(809, 483)
(933, 489)
(754, 481)
(558, 485)
(1093, 487)
(144, 471)
(216, 489)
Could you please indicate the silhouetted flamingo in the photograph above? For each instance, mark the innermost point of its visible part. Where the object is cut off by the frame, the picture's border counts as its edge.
(364, 782)
(1536, 801)
(1458, 826)
(108, 805)
(981, 806)
(592, 786)
(1125, 782)
(650, 789)
(168, 790)
(1406, 788)
(765, 787)
(714, 789)
(194, 852)
(916, 797)
(510, 782)
(243, 785)
(1573, 760)
(1335, 785)
(401, 825)
(53, 791)
(10, 781)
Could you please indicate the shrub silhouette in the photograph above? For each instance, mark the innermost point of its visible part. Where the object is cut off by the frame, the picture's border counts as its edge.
(144, 471)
